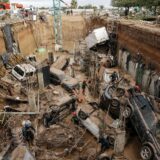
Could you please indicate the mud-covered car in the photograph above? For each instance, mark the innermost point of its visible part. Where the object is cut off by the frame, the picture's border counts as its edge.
(58, 77)
(143, 118)
(110, 100)
(89, 116)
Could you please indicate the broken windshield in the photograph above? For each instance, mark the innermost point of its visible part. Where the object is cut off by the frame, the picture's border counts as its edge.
(19, 71)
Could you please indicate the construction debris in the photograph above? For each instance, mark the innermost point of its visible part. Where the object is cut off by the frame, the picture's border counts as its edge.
(97, 100)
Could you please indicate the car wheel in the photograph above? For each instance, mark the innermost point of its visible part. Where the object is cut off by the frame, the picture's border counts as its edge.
(115, 103)
(146, 153)
(82, 115)
(104, 158)
(114, 109)
(111, 90)
(127, 112)
(120, 92)
(111, 141)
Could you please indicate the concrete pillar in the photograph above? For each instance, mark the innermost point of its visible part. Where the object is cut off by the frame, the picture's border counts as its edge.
(40, 79)
(32, 101)
(119, 142)
(50, 58)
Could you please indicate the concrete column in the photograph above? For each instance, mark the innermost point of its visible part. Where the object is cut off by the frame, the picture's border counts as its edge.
(50, 58)
(119, 142)
(32, 101)
(40, 79)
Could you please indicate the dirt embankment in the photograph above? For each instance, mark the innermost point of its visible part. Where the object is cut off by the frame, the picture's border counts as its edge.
(32, 35)
(141, 39)
(2, 43)
(74, 29)
(134, 36)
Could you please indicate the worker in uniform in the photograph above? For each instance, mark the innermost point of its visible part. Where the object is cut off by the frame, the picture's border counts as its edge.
(84, 85)
(73, 106)
(66, 64)
(50, 118)
(114, 77)
(28, 131)
(72, 72)
(104, 143)
(75, 119)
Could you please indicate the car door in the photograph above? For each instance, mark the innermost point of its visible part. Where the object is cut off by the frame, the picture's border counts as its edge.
(137, 119)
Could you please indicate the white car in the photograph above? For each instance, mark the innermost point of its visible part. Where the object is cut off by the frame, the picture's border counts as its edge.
(23, 71)
(98, 36)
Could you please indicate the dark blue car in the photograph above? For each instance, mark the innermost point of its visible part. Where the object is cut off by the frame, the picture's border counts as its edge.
(146, 124)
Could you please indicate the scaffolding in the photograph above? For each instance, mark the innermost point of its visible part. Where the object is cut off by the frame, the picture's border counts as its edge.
(57, 24)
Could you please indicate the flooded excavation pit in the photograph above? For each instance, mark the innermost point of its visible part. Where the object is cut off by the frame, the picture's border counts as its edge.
(97, 98)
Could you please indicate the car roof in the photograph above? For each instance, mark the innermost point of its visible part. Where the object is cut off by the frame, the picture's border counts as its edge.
(69, 80)
(146, 110)
(26, 67)
(59, 73)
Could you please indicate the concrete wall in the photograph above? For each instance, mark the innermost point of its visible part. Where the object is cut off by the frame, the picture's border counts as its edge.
(132, 35)
(148, 79)
(138, 39)
(134, 38)
(34, 34)
(24, 36)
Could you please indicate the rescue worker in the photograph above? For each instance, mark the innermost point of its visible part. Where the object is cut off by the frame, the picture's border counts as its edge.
(72, 72)
(73, 106)
(104, 143)
(66, 64)
(71, 12)
(28, 131)
(134, 90)
(50, 118)
(114, 77)
(75, 119)
(84, 85)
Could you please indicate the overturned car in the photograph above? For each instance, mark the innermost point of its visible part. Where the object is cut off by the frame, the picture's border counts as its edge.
(140, 111)
(58, 77)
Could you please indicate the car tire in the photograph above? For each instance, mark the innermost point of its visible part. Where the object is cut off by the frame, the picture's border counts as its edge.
(120, 92)
(111, 89)
(114, 109)
(115, 103)
(127, 112)
(146, 152)
(111, 141)
(82, 115)
(104, 158)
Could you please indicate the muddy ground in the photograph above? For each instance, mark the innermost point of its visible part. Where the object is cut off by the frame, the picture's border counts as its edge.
(47, 144)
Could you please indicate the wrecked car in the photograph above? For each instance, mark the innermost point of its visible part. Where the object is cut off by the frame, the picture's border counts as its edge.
(58, 112)
(58, 77)
(110, 101)
(23, 71)
(146, 124)
(107, 76)
(98, 36)
(69, 83)
(89, 118)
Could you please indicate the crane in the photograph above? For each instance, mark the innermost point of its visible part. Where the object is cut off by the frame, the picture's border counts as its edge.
(58, 24)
